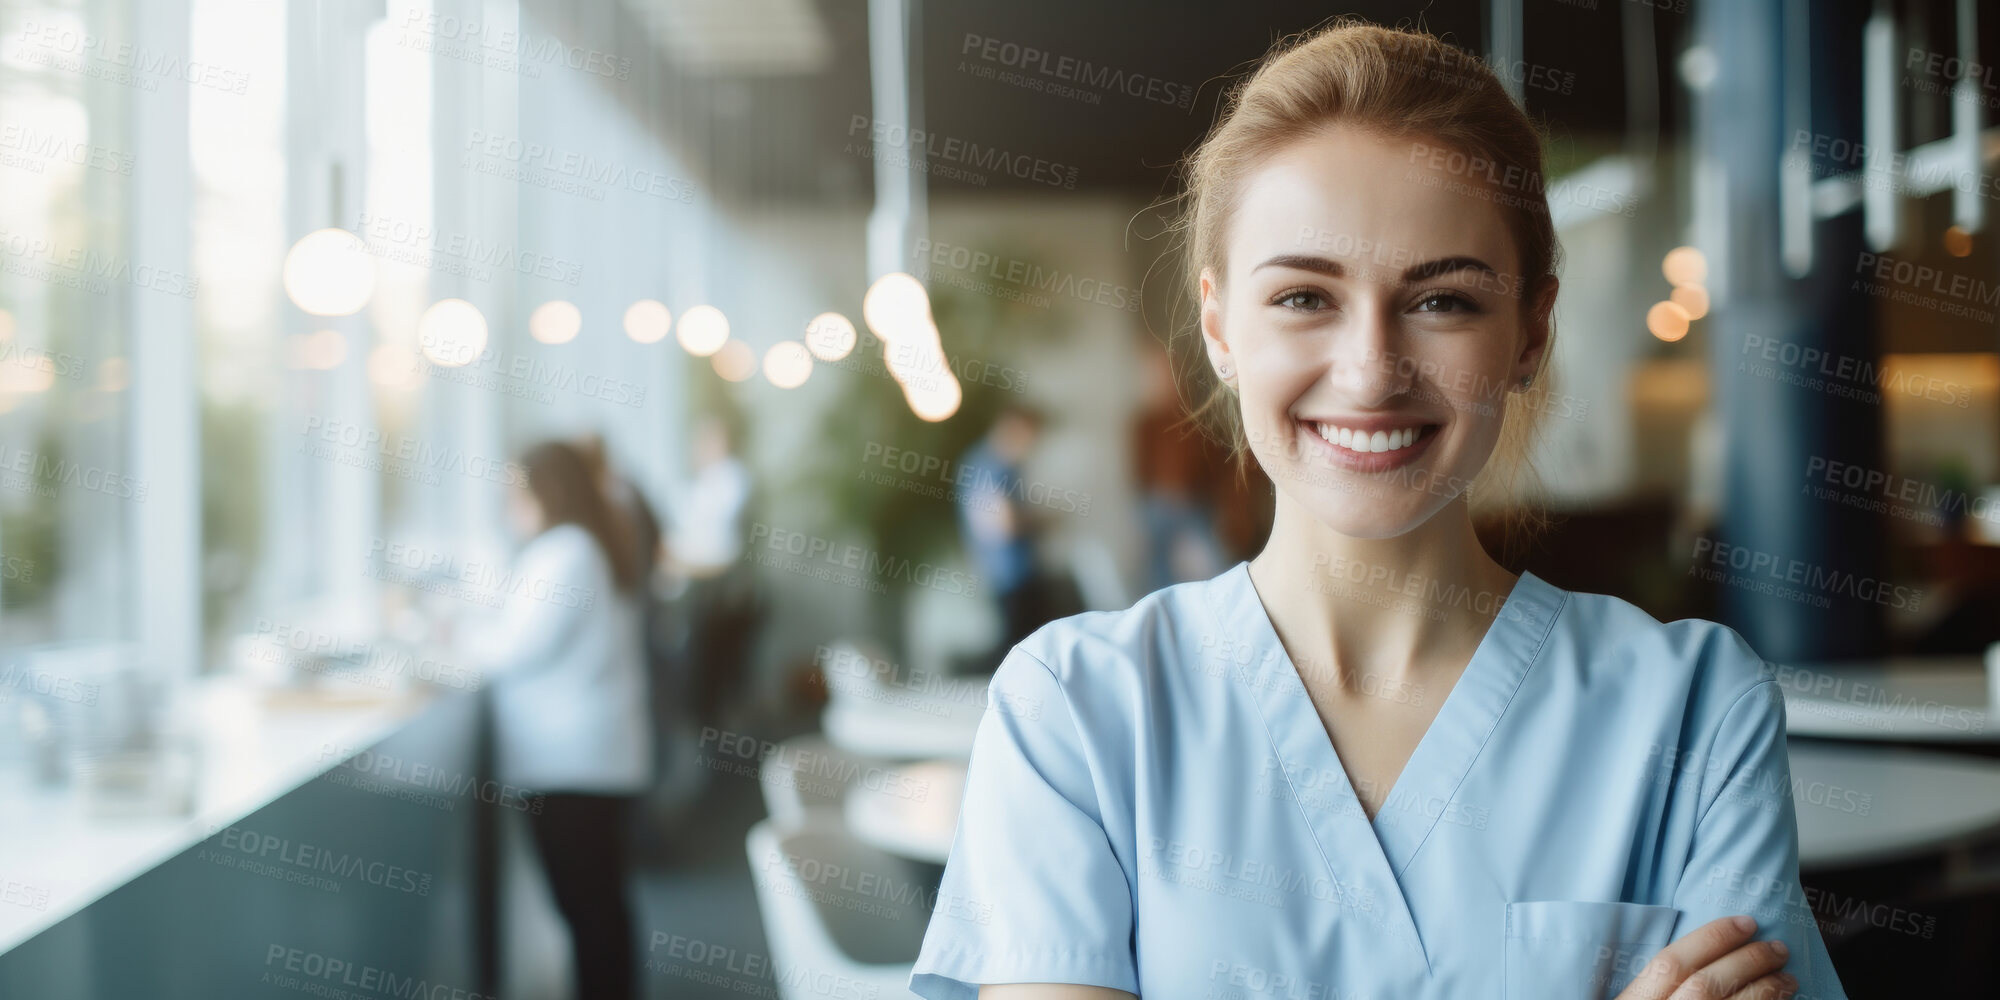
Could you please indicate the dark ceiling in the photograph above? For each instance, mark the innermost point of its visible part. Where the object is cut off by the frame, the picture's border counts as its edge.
(1576, 55)
(1120, 141)
(795, 138)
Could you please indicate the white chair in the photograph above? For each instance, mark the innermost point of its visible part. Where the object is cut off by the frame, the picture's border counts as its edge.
(807, 774)
(840, 916)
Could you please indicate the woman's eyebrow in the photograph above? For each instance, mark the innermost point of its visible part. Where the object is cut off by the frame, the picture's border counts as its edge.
(1444, 265)
(1305, 262)
(1423, 271)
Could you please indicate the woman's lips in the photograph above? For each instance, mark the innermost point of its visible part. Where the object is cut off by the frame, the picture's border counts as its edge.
(1386, 448)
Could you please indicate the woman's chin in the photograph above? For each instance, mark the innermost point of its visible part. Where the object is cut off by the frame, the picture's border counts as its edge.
(1365, 526)
(1354, 517)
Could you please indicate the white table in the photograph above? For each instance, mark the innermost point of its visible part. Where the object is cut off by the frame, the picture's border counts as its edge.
(912, 812)
(1928, 699)
(1855, 804)
(894, 735)
(930, 716)
(1859, 804)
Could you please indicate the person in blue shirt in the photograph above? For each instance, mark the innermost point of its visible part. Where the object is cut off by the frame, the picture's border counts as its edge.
(998, 528)
(1371, 762)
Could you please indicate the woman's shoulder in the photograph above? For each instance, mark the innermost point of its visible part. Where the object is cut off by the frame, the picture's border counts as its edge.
(566, 541)
(1611, 638)
(1116, 657)
(567, 552)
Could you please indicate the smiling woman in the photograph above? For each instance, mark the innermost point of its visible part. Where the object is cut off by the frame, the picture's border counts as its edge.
(1400, 349)
(1208, 793)
(1454, 221)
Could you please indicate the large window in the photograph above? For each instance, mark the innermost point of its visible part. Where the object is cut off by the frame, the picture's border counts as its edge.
(236, 146)
(186, 454)
(67, 280)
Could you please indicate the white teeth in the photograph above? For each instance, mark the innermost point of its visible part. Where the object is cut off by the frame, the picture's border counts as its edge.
(1366, 442)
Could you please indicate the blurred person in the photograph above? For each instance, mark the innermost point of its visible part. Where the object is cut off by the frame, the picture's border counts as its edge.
(641, 525)
(660, 625)
(642, 532)
(708, 532)
(1372, 761)
(998, 528)
(570, 702)
(719, 595)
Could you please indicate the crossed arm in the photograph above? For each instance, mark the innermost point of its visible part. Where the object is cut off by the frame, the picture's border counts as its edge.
(1051, 991)
(1716, 961)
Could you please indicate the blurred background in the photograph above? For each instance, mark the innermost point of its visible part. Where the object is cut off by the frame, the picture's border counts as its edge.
(842, 323)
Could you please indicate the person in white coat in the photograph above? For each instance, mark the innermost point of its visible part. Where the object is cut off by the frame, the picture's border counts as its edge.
(566, 662)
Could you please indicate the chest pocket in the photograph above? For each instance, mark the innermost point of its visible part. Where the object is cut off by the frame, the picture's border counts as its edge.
(1558, 949)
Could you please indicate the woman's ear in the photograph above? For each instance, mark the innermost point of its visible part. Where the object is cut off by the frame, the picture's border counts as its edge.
(1538, 322)
(1211, 319)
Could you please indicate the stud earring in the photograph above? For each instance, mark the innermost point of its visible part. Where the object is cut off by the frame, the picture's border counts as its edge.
(1526, 380)
(1226, 370)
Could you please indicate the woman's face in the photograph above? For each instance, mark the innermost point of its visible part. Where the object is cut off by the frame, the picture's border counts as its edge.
(1371, 308)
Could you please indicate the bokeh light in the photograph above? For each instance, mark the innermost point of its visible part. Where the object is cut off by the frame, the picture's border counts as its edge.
(734, 361)
(1957, 242)
(703, 331)
(788, 364)
(647, 321)
(1685, 266)
(1693, 300)
(914, 358)
(895, 305)
(1667, 321)
(451, 332)
(934, 399)
(555, 322)
(830, 336)
(329, 273)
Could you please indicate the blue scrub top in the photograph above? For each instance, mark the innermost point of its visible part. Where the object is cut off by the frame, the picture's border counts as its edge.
(1153, 805)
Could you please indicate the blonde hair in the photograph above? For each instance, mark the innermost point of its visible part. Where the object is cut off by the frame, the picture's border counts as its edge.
(1395, 83)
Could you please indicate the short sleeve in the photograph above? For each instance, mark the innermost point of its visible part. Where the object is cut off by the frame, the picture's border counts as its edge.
(1032, 891)
(1745, 856)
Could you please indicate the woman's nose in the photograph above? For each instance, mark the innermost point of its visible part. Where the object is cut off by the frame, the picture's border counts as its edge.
(1365, 365)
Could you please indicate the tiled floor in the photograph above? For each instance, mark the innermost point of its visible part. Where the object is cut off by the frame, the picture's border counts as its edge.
(701, 935)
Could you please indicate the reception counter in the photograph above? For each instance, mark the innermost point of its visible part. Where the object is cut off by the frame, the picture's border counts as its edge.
(333, 844)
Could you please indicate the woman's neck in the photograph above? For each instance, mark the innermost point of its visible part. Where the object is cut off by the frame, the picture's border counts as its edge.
(1408, 609)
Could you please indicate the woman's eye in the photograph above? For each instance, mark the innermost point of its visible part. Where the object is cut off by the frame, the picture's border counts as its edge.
(1445, 302)
(1300, 300)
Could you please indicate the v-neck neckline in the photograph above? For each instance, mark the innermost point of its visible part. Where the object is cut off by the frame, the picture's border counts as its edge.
(1368, 856)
